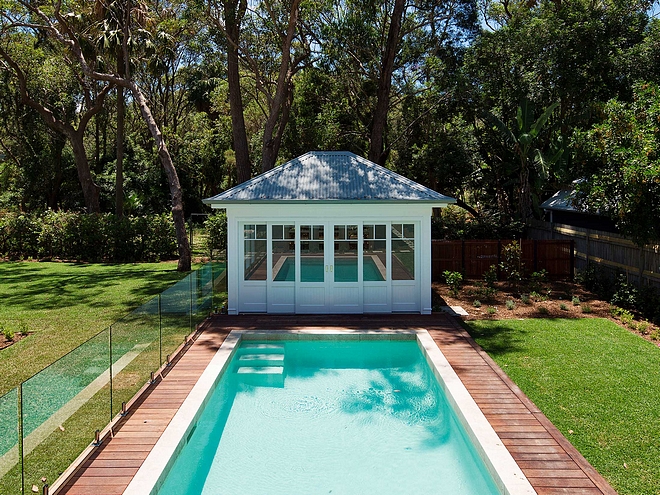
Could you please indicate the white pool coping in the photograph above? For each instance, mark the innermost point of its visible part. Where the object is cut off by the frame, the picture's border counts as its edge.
(506, 473)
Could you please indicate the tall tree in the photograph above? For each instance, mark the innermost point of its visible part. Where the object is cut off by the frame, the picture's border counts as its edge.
(58, 29)
(73, 123)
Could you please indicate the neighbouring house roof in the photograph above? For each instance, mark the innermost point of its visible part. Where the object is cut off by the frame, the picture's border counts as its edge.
(329, 176)
(561, 201)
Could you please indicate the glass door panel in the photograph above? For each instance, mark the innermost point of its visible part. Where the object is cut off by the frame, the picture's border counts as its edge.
(284, 253)
(312, 253)
(346, 253)
(374, 253)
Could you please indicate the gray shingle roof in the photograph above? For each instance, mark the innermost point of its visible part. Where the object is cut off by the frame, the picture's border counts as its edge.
(329, 176)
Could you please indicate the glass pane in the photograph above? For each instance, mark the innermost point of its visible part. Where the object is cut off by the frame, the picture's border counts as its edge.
(255, 260)
(10, 469)
(403, 259)
(381, 232)
(346, 261)
(176, 315)
(136, 349)
(397, 231)
(340, 232)
(284, 261)
(289, 232)
(352, 232)
(367, 231)
(311, 261)
(318, 232)
(248, 232)
(409, 230)
(278, 231)
(374, 265)
(305, 232)
(63, 405)
(261, 231)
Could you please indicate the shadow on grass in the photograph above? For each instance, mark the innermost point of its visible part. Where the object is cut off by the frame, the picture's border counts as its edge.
(34, 286)
(497, 338)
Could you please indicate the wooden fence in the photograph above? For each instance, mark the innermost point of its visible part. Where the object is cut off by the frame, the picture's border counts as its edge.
(473, 258)
(611, 252)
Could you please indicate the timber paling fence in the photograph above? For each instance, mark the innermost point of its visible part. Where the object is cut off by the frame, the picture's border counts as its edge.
(49, 420)
(611, 252)
(474, 258)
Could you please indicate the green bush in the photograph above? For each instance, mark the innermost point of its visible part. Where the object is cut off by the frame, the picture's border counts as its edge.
(216, 230)
(453, 280)
(77, 236)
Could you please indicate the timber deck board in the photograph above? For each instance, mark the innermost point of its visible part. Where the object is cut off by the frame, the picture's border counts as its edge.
(551, 464)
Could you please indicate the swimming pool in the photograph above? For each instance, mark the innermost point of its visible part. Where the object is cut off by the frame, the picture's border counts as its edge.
(361, 413)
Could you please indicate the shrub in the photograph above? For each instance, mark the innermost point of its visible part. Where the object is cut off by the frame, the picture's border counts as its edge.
(491, 310)
(537, 279)
(216, 230)
(453, 280)
(563, 307)
(476, 303)
(490, 276)
(575, 300)
(625, 293)
(525, 299)
(586, 308)
(510, 305)
(543, 310)
(511, 264)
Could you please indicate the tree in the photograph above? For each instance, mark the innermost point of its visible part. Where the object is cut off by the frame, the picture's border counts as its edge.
(58, 29)
(524, 140)
(72, 122)
(622, 160)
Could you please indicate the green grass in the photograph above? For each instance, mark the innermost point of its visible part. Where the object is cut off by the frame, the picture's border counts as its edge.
(64, 304)
(594, 379)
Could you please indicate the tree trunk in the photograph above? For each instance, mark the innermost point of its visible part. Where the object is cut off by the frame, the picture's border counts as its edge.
(379, 122)
(90, 190)
(172, 179)
(233, 14)
(119, 172)
(279, 110)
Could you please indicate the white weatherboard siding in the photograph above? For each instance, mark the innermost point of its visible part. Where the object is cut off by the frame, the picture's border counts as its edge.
(247, 296)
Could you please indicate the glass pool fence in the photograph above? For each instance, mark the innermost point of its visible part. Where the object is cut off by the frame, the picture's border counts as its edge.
(51, 418)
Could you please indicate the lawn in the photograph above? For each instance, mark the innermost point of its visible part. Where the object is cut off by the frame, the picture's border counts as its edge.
(597, 382)
(63, 304)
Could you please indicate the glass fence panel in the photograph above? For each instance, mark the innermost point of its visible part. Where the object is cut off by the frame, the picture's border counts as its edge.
(135, 352)
(63, 405)
(176, 314)
(10, 467)
(219, 282)
(202, 293)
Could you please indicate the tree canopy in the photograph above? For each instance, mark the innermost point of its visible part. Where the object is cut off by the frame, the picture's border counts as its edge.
(139, 107)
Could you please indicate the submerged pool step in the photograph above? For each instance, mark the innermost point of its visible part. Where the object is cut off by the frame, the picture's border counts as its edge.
(264, 376)
(262, 348)
(261, 359)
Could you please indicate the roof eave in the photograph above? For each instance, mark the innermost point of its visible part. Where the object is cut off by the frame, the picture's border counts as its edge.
(232, 202)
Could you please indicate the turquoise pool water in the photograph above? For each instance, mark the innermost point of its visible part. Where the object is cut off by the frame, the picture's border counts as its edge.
(344, 417)
(312, 270)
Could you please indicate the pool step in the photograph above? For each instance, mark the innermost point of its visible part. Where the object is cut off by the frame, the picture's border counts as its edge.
(262, 348)
(261, 359)
(264, 376)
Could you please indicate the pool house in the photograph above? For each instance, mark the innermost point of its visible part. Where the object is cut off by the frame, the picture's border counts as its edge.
(329, 232)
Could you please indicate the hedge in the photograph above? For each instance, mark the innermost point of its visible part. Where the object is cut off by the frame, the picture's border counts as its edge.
(82, 237)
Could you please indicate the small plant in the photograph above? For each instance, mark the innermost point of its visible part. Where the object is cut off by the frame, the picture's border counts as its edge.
(626, 317)
(537, 279)
(535, 296)
(586, 308)
(491, 310)
(510, 305)
(511, 264)
(543, 310)
(453, 280)
(490, 276)
(8, 333)
(563, 307)
(575, 301)
(643, 327)
(525, 299)
(476, 303)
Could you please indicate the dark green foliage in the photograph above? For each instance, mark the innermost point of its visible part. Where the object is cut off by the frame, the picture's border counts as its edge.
(456, 223)
(81, 237)
(454, 280)
(216, 231)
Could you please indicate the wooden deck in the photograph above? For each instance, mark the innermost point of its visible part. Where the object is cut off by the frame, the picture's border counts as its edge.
(549, 461)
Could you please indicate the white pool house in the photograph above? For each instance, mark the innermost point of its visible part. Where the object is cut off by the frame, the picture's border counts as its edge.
(329, 232)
